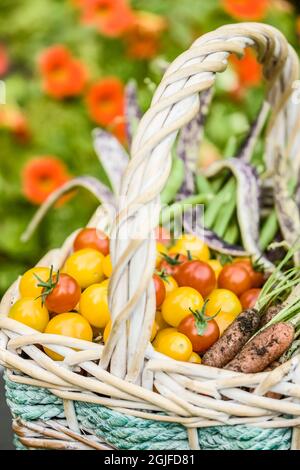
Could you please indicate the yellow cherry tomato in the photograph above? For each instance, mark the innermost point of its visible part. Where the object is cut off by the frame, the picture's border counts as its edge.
(154, 331)
(160, 320)
(178, 303)
(29, 283)
(224, 320)
(68, 324)
(227, 303)
(93, 304)
(106, 332)
(163, 332)
(216, 266)
(107, 266)
(195, 358)
(170, 284)
(161, 249)
(190, 243)
(86, 266)
(174, 344)
(31, 312)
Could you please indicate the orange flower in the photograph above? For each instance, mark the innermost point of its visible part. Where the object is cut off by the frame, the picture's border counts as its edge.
(248, 69)
(110, 17)
(41, 176)
(13, 119)
(246, 9)
(4, 60)
(105, 101)
(143, 36)
(63, 76)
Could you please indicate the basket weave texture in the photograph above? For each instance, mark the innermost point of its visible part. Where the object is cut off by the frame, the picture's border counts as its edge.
(102, 396)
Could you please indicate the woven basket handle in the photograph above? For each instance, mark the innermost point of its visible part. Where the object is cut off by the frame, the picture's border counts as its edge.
(174, 104)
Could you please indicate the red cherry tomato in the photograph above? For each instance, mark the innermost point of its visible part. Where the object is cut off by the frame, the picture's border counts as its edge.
(200, 342)
(196, 274)
(160, 290)
(248, 299)
(171, 263)
(64, 296)
(162, 235)
(257, 277)
(235, 277)
(92, 238)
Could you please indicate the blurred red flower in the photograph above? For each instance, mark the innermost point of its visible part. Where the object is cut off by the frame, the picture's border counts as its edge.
(41, 176)
(143, 36)
(12, 119)
(110, 17)
(246, 9)
(248, 69)
(105, 101)
(63, 76)
(4, 60)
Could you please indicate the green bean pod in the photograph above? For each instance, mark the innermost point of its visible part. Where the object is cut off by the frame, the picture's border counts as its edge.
(224, 216)
(268, 230)
(232, 233)
(223, 196)
(175, 210)
(174, 182)
(202, 184)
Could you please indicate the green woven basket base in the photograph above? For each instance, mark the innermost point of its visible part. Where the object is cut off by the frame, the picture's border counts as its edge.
(127, 432)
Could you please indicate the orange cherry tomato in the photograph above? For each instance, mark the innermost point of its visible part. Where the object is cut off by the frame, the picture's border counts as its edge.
(164, 331)
(93, 304)
(107, 266)
(29, 282)
(249, 297)
(189, 243)
(227, 304)
(92, 238)
(106, 332)
(30, 312)
(257, 277)
(160, 320)
(154, 331)
(195, 358)
(178, 303)
(64, 296)
(170, 284)
(201, 337)
(86, 266)
(170, 264)
(68, 324)
(196, 274)
(216, 266)
(160, 290)
(173, 344)
(235, 277)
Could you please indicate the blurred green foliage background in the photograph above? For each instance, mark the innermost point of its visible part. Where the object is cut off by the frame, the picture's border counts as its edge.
(62, 128)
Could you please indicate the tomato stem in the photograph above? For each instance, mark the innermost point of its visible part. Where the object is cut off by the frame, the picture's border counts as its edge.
(163, 275)
(172, 261)
(201, 319)
(48, 285)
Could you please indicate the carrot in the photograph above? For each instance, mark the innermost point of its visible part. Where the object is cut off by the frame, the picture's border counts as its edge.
(263, 349)
(269, 314)
(233, 339)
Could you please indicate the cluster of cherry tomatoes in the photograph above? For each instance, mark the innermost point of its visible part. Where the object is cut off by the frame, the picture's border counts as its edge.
(202, 297)
(196, 296)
